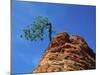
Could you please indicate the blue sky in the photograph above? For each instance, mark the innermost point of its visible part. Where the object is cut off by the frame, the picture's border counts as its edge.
(74, 19)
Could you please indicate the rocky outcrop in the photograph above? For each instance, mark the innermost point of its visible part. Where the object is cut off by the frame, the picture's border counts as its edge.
(66, 53)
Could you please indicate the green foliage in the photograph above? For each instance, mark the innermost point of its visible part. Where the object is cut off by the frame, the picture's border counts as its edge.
(36, 30)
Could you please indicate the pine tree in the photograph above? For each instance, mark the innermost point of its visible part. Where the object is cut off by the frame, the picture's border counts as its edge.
(38, 29)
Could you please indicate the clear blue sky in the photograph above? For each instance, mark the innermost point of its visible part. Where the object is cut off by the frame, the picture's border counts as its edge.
(74, 19)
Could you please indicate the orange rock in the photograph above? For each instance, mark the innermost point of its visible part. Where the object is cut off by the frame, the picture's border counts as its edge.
(66, 53)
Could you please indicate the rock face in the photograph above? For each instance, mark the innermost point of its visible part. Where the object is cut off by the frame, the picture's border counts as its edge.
(66, 53)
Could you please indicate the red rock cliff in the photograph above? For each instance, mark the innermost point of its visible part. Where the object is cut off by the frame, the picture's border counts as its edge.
(66, 53)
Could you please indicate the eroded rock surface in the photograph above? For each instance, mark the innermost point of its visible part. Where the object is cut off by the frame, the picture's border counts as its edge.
(66, 53)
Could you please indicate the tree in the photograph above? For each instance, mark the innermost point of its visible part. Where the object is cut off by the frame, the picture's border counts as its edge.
(38, 29)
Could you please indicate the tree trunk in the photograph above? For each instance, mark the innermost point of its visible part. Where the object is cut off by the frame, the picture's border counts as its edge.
(50, 31)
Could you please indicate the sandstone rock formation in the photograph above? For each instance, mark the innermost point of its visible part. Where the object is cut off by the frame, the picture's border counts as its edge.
(66, 53)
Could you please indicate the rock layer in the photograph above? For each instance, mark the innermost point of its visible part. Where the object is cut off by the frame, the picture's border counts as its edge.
(66, 53)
